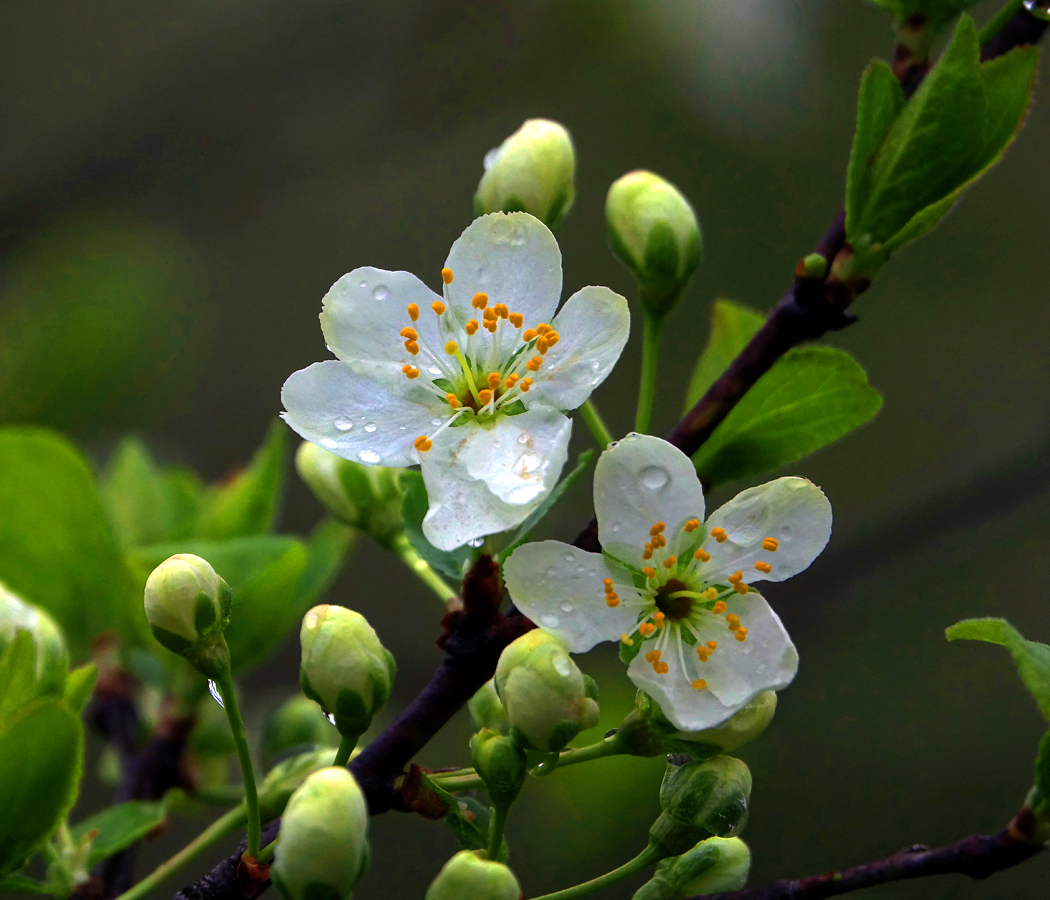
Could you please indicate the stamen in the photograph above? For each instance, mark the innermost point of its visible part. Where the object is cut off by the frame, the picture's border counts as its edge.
(446, 275)
(471, 328)
(652, 656)
(702, 555)
(719, 607)
(661, 668)
(741, 635)
(494, 380)
(646, 629)
(659, 540)
(736, 577)
(702, 654)
(413, 312)
(552, 338)
(719, 534)
(542, 328)
(484, 396)
(740, 587)
(670, 562)
(712, 645)
(763, 567)
(410, 371)
(526, 383)
(542, 345)
(453, 400)
(608, 582)
(480, 301)
(771, 544)
(516, 319)
(502, 310)
(528, 334)
(409, 334)
(649, 573)
(412, 347)
(422, 443)
(658, 618)
(612, 599)
(451, 348)
(647, 553)
(626, 638)
(490, 325)
(699, 684)
(692, 525)
(733, 622)
(511, 381)
(490, 314)
(438, 307)
(533, 365)
(657, 528)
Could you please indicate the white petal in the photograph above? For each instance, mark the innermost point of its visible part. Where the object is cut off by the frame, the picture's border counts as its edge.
(358, 417)
(513, 258)
(592, 330)
(735, 672)
(482, 480)
(792, 511)
(561, 589)
(638, 482)
(364, 311)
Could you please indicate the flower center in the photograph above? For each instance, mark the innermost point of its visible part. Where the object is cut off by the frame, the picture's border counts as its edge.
(674, 605)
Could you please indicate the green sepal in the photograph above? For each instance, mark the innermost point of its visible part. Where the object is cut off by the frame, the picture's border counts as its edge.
(18, 684)
(119, 827)
(79, 684)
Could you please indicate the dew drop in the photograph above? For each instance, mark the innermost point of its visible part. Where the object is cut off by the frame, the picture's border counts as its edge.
(216, 696)
(364, 284)
(615, 527)
(562, 664)
(369, 456)
(400, 427)
(330, 717)
(343, 423)
(380, 292)
(569, 557)
(435, 422)
(551, 572)
(496, 445)
(786, 532)
(549, 621)
(565, 607)
(328, 443)
(328, 347)
(1038, 8)
(371, 427)
(580, 570)
(654, 477)
(524, 437)
(477, 542)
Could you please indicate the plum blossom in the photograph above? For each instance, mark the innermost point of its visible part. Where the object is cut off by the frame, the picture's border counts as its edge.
(472, 384)
(673, 589)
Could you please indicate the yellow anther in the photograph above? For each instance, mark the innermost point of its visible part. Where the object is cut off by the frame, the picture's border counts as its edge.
(612, 600)
(702, 654)
(626, 638)
(741, 636)
(446, 275)
(453, 400)
(409, 334)
(657, 528)
(763, 567)
(702, 555)
(480, 301)
(646, 629)
(533, 365)
(719, 534)
(451, 348)
(438, 307)
(516, 319)
(484, 396)
(528, 334)
(692, 525)
(771, 544)
(608, 582)
(510, 382)
(552, 338)
(699, 684)
(412, 347)
(670, 562)
(736, 577)
(712, 645)
(526, 383)
(542, 345)
(711, 593)
(422, 443)
(661, 668)
(719, 607)
(542, 328)
(471, 328)
(649, 572)
(647, 553)
(740, 587)
(494, 380)
(410, 371)
(413, 311)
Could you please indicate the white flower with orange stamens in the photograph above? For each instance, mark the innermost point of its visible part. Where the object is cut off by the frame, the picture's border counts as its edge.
(673, 589)
(471, 385)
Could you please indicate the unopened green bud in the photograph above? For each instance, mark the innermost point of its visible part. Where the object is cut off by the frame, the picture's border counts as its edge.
(284, 779)
(701, 800)
(544, 693)
(323, 851)
(344, 667)
(188, 608)
(712, 866)
(298, 722)
(486, 709)
(469, 876)
(52, 657)
(740, 728)
(653, 229)
(365, 497)
(501, 764)
(532, 171)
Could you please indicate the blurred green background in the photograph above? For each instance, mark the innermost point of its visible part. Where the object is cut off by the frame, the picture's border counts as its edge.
(181, 184)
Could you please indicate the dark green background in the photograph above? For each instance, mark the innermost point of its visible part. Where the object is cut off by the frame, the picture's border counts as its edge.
(181, 183)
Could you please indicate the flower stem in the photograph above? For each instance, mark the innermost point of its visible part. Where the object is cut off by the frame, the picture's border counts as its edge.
(644, 859)
(220, 828)
(647, 387)
(496, 828)
(408, 554)
(224, 683)
(593, 420)
(996, 23)
(606, 747)
(265, 856)
(346, 748)
(459, 781)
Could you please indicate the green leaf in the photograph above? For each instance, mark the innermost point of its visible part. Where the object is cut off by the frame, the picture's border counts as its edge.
(247, 504)
(56, 548)
(18, 684)
(20, 884)
(79, 685)
(41, 748)
(732, 326)
(414, 505)
(1031, 659)
(119, 827)
(811, 397)
(148, 504)
(524, 532)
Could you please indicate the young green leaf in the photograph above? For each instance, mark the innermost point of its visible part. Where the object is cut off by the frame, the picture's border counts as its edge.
(18, 684)
(414, 505)
(79, 685)
(247, 504)
(1031, 658)
(41, 748)
(811, 397)
(732, 326)
(56, 547)
(119, 827)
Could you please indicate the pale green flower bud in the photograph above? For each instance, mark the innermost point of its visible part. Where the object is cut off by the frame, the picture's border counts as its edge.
(284, 779)
(740, 728)
(344, 667)
(712, 866)
(323, 851)
(501, 764)
(653, 229)
(701, 800)
(547, 700)
(532, 171)
(298, 722)
(52, 657)
(487, 710)
(469, 876)
(365, 497)
(188, 608)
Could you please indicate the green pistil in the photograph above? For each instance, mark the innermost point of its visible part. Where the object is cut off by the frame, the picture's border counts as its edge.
(465, 366)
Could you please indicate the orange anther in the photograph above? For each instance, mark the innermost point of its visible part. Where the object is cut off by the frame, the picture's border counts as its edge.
(646, 629)
(670, 562)
(741, 636)
(649, 572)
(409, 334)
(446, 275)
(413, 311)
(489, 315)
(526, 383)
(542, 345)
(528, 334)
(699, 684)
(719, 534)
(771, 544)
(657, 528)
(659, 540)
(480, 301)
(471, 328)
(502, 310)
(410, 371)
(740, 587)
(647, 553)
(658, 618)
(719, 608)
(653, 656)
(438, 307)
(453, 400)
(412, 347)
(763, 567)
(661, 668)
(552, 338)
(735, 577)
(542, 328)
(533, 365)
(510, 382)
(516, 319)
(702, 555)
(702, 654)
(612, 600)
(608, 582)
(494, 380)
(422, 443)
(484, 396)
(712, 645)
(490, 325)
(692, 525)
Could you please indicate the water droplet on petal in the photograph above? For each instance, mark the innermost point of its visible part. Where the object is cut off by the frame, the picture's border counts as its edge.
(216, 696)
(328, 443)
(343, 423)
(524, 437)
(569, 557)
(371, 427)
(380, 292)
(615, 527)
(370, 457)
(549, 621)
(580, 570)
(566, 607)
(654, 477)
(495, 445)
(551, 572)
(364, 284)
(433, 370)
(786, 532)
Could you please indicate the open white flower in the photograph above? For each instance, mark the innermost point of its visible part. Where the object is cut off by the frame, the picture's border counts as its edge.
(472, 384)
(673, 588)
